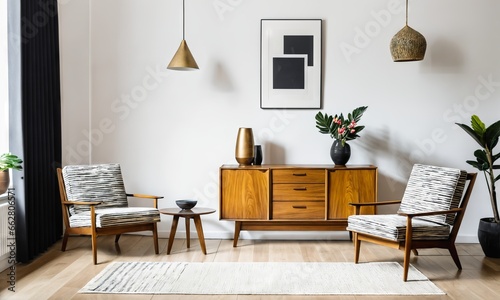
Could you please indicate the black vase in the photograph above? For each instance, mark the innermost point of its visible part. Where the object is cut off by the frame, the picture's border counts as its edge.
(257, 151)
(488, 234)
(340, 154)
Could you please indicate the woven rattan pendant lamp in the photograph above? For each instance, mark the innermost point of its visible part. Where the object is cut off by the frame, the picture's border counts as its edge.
(183, 59)
(408, 44)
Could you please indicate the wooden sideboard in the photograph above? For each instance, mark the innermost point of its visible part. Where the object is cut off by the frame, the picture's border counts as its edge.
(294, 197)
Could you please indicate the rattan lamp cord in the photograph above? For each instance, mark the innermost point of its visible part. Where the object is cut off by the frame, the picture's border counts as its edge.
(406, 12)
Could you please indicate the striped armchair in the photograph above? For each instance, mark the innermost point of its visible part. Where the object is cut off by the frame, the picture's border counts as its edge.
(429, 214)
(94, 202)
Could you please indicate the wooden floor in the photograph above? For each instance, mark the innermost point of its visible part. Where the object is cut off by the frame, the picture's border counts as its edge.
(59, 275)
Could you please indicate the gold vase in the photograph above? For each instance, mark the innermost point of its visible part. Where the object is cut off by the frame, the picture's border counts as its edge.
(244, 147)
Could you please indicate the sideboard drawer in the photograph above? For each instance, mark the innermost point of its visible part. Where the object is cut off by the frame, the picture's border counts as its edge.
(299, 176)
(304, 210)
(299, 192)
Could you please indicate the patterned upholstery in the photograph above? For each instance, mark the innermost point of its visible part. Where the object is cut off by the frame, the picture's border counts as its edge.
(393, 227)
(429, 188)
(99, 183)
(102, 183)
(116, 216)
(433, 188)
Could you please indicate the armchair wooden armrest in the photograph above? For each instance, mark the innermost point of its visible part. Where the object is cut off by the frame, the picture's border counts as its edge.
(432, 213)
(359, 205)
(155, 198)
(375, 203)
(81, 203)
(145, 196)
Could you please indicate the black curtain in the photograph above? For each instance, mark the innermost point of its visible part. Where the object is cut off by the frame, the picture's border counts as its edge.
(35, 123)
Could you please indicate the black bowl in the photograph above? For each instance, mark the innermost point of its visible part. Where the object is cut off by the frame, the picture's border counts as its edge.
(186, 204)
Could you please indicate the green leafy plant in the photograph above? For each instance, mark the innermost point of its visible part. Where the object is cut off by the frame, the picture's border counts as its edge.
(10, 161)
(339, 127)
(487, 138)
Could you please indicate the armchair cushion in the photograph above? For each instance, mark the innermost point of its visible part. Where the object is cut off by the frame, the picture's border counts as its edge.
(432, 188)
(117, 216)
(393, 227)
(94, 183)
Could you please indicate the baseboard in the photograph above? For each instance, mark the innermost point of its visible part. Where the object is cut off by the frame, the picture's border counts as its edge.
(284, 235)
(267, 235)
(4, 262)
(467, 239)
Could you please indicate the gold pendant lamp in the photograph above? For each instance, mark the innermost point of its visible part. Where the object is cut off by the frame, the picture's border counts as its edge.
(183, 60)
(408, 44)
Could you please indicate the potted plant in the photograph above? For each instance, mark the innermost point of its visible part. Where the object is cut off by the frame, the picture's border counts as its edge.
(342, 130)
(487, 138)
(8, 161)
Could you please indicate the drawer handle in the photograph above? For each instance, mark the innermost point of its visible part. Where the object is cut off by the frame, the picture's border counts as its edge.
(299, 206)
(300, 189)
(299, 174)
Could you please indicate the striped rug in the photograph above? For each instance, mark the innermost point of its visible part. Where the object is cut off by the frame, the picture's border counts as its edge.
(265, 278)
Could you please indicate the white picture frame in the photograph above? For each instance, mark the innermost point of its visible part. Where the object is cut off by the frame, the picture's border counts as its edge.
(291, 61)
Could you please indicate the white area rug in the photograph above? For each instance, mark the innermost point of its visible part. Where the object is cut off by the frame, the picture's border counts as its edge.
(267, 278)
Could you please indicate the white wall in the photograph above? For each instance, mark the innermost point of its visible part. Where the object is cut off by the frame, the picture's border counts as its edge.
(74, 35)
(4, 81)
(171, 130)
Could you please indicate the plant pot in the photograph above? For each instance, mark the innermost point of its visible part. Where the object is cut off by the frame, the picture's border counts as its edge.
(4, 181)
(489, 237)
(340, 154)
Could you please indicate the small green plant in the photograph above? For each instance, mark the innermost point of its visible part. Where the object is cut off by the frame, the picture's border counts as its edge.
(10, 161)
(340, 128)
(487, 138)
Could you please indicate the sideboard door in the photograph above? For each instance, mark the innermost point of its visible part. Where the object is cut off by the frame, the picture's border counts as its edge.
(244, 194)
(350, 185)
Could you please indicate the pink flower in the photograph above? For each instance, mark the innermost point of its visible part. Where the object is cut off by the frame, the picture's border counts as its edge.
(340, 127)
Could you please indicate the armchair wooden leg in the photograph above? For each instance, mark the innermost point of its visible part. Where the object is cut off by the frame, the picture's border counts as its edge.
(155, 238)
(64, 241)
(94, 248)
(408, 245)
(415, 251)
(406, 264)
(94, 233)
(357, 247)
(117, 237)
(454, 255)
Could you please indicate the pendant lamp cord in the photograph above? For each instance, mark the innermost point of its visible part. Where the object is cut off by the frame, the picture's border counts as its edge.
(406, 12)
(184, 20)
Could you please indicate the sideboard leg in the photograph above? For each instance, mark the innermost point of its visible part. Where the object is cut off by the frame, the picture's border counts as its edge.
(237, 228)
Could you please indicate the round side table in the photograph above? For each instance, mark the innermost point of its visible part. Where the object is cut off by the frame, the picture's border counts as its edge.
(193, 213)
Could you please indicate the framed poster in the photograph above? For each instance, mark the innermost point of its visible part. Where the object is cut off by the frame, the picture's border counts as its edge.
(290, 63)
